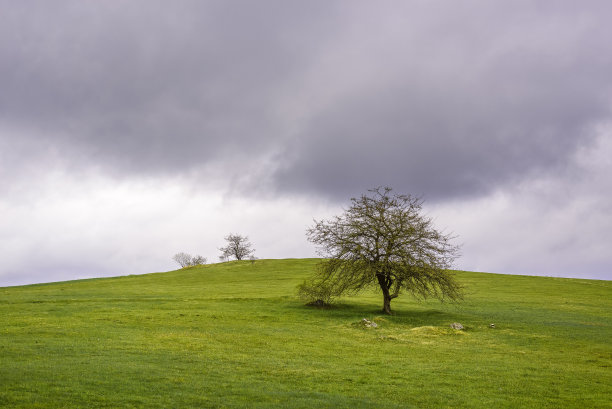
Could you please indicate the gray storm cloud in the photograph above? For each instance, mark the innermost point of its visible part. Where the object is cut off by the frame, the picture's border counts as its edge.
(434, 98)
(458, 101)
(148, 87)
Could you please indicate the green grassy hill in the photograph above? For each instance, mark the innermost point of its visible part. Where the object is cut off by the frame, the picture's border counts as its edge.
(234, 335)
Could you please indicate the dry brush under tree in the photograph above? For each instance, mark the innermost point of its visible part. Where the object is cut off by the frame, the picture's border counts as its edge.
(382, 240)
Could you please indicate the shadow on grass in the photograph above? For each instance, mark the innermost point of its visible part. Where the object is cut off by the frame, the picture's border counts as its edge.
(414, 315)
(356, 311)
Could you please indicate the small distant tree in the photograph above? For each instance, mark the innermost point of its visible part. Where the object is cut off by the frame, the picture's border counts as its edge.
(185, 260)
(237, 246)
(382, 240)
(198, 260)
(252, 258)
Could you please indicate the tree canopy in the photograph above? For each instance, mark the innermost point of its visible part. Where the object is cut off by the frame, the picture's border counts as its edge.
(382, 240)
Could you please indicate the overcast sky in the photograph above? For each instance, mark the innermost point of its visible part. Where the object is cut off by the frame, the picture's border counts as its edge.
(132, 130)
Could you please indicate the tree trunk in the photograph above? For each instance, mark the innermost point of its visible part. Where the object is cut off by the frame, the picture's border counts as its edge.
(387, 303)
(384, 286)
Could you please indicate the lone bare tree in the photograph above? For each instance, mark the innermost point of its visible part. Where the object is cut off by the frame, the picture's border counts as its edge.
(237, 246)
(183, 259)
(382, 240)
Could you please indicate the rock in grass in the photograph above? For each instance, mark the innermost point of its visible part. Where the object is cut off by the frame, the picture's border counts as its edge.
(368, 324)
(456, 325)
(491, 325)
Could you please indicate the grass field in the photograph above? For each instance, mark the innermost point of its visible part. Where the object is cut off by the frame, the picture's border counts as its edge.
(233, 335)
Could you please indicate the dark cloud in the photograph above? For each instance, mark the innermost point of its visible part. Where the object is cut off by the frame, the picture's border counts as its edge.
(433, 98)
(152, 87)
(463, 102)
